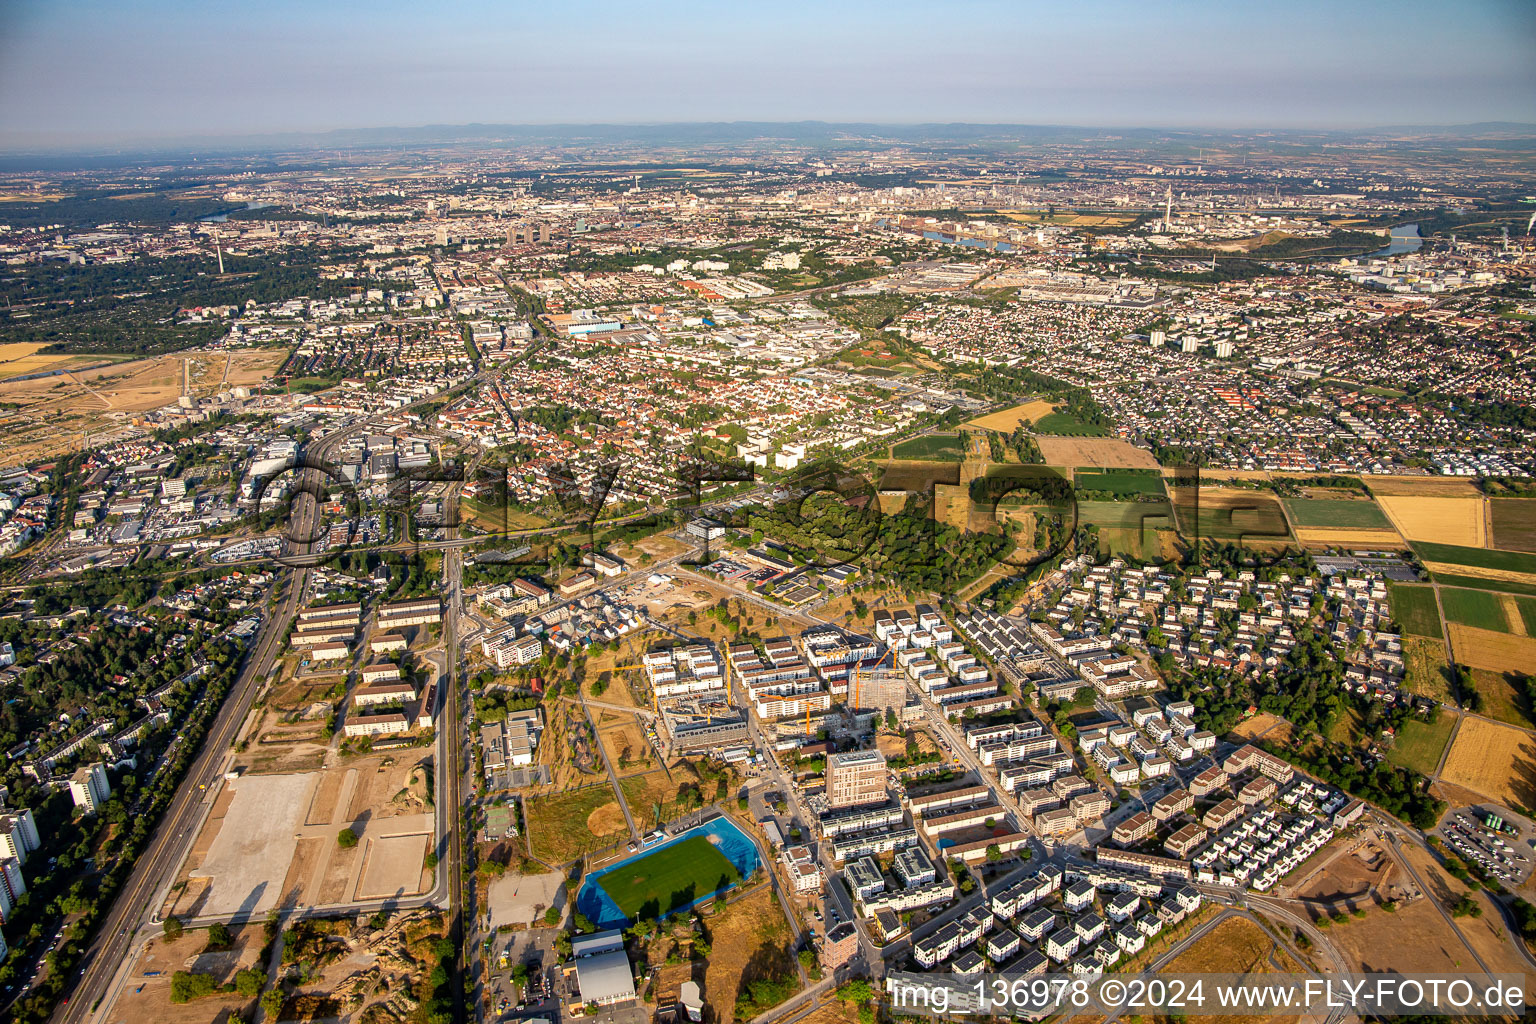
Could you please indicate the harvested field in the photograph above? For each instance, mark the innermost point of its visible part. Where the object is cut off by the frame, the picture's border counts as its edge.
(1514, 523)
(1337, 514)
(1444, 520)
(1498, 761)
(1103, 452)
(1005, 420)
(1475, 576)
(1351, 539)
(1415, 609)
(1477, 608)
(1436, 486)
(1491, 650)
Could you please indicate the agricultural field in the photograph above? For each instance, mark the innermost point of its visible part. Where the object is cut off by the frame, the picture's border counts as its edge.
(1477, 608)
(1464, 558)
(669, 878)
(1456, 579)
(1414, 608)
(1427, 486)
(1426, 668)
(1066, 425)
(1527, 609)
(1491, 650)
(1103, 452)
(940, 447)
(1336, 514)
(1514, 523)
(1497, 761)
(1442, 520)
(1255, 520)
(1352, 540)
(1006, 420)
(1419, 744)
(1123, 483)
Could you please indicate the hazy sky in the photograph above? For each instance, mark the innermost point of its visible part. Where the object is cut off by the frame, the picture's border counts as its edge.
(74, 72)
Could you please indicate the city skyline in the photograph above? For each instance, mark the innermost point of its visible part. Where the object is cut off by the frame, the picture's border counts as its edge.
(86, 76)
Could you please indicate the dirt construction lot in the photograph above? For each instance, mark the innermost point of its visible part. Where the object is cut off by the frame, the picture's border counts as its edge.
(271, 840)
(1103, 452)
(1498, 761)
(147, 997)
(1439, 519)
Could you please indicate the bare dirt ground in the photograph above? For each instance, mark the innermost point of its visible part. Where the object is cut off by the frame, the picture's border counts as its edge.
(148, 998)
(1350, 876)
(56, 411)
(1263, 724)
(521, 899)
(271, 839)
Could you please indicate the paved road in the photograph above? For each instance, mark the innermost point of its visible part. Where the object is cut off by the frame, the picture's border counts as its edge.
(107, 960)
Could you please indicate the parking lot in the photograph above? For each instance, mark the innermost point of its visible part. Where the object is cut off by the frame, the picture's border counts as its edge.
(1505, 856)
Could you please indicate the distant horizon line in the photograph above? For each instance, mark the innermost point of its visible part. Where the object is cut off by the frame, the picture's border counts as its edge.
(384, 135)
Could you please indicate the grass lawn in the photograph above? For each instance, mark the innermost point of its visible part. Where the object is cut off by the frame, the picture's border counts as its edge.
(1415, 610)
(1483, 558)
(1420, 744)
(943, 447)
(669, 878)
(1329, 513)
(1474, 608)
(1123, 483)
(1066, 425)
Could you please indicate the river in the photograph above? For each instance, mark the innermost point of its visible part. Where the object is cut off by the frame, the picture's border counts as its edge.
(1404, 238)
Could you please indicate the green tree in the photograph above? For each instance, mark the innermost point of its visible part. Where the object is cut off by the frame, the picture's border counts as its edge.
(171, 928)
(346, 839)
